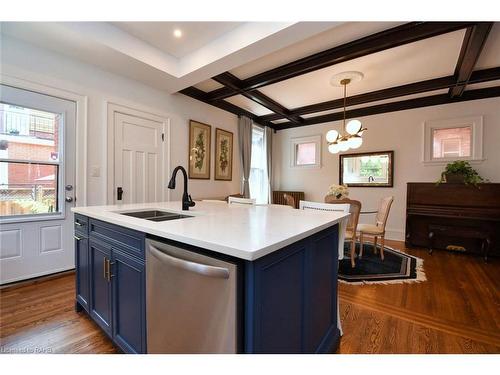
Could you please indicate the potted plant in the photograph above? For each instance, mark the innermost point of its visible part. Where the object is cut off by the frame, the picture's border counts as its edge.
(460, 172)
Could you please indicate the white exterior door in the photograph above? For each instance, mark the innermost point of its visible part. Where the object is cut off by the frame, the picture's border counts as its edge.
(37, 175)
(139, 155)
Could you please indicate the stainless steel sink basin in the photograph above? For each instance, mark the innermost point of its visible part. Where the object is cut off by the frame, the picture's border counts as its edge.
(155, 215)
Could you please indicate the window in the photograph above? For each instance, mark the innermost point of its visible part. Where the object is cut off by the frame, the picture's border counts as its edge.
(306, 151)
(454, 139)
(451, 142)
(258, 170)
(29, 161)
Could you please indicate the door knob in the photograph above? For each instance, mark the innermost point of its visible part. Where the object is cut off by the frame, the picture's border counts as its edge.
(69, 199)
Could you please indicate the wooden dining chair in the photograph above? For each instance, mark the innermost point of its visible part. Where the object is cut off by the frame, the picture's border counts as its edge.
(352, 224)
(289, 200)
(378, 229)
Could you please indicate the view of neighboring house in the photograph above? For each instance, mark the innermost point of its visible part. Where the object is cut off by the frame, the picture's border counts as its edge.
(29, 154)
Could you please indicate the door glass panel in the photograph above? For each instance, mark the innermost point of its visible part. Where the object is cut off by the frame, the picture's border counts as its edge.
(29, 161)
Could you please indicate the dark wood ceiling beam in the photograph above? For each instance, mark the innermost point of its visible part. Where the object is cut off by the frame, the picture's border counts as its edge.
(233, 82)
(390, 93)
(394, 37)
(397, 106)
(472, 45)
(201, 95)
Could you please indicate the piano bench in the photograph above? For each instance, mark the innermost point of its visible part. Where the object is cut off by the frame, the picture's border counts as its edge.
(461, 232)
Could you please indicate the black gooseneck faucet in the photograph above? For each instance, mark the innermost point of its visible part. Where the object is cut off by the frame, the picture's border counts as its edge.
(186, 198)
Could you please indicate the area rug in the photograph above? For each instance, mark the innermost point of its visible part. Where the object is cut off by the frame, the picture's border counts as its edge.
(396, 268)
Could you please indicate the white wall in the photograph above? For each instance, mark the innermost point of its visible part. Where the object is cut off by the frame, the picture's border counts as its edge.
(28, 62)
(398, 131)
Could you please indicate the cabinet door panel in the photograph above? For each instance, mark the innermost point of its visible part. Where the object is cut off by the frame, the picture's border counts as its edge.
(82, 264)
(100, 300)
(276, 314)
(129, 326)
(322, 303)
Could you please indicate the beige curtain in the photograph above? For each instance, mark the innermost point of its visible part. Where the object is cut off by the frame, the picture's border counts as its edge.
(245, 145)
(268, 141)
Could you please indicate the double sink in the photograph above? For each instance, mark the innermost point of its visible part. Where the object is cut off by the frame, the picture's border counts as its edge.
(155, 215)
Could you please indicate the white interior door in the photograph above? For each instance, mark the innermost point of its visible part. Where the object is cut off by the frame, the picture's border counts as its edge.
(138, 159)
(37, 166)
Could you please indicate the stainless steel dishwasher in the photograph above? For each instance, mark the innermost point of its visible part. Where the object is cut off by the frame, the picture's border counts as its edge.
(191, 301)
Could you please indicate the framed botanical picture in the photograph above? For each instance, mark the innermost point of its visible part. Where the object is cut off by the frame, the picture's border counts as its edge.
(199, 150)
(223, 155)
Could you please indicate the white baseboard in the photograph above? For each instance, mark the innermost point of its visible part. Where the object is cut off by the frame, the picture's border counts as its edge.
(394, 234)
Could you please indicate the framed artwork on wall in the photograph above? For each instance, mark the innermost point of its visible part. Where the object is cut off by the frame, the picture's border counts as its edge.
(223, 155)
(369, 169)
(199, 150)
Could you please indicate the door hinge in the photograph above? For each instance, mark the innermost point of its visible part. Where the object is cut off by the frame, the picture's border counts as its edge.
(163, 137)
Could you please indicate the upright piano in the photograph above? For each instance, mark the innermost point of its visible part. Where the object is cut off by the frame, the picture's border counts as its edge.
(458, 207)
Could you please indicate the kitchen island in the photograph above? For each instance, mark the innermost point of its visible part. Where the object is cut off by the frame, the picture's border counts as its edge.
(278, 293)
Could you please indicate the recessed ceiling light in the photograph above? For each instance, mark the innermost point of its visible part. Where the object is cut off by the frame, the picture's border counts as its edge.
(177, 33)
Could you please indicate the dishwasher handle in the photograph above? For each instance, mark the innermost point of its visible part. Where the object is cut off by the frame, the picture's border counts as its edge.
(201, 269)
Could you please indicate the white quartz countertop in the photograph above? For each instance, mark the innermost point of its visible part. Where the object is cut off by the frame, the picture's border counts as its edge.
(242, 231)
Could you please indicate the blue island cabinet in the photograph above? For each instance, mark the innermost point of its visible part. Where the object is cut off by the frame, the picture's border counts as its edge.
(291, 298)
(112, 270)
(287, 300)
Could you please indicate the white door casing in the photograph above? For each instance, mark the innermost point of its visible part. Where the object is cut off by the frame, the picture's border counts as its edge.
(139, 163)
(35, 245)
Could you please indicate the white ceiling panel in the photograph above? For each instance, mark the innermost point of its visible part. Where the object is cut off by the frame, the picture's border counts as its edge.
(331, 38)
(194, 34)
(245, 103)
(490, 55)
(208, 85)
(483, 85)
(339, 110)
(426, 59)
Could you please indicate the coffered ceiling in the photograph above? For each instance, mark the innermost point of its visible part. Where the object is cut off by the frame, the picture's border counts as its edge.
(404, 66)
(278, 73)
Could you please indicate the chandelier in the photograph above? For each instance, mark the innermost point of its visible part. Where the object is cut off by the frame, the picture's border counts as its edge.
(352, 138)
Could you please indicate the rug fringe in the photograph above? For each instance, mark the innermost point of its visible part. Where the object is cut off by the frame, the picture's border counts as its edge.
(419, 269)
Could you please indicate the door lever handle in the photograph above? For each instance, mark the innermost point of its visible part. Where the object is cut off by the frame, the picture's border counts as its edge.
(119, 193)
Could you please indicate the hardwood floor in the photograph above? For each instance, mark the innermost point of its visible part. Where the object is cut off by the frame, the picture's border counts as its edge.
(457, 310)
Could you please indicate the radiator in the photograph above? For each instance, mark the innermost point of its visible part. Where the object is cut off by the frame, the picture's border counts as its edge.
(279, 199)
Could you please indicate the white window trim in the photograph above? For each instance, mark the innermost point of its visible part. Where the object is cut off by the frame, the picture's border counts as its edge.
(476, 123)
(293, 151)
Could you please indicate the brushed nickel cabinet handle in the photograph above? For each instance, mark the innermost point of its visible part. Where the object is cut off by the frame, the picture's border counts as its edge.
(77, 238)
(78, 224)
